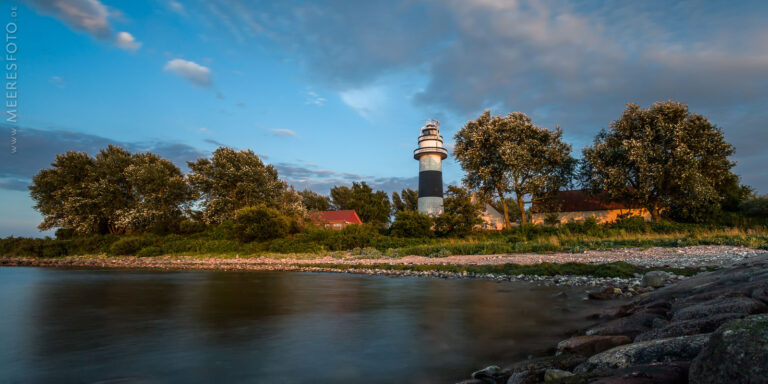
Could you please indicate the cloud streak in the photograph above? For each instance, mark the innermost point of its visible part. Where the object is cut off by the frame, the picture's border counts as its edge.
(196, 74)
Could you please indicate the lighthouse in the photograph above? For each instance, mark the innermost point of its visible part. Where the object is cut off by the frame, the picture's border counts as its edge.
(430, 155)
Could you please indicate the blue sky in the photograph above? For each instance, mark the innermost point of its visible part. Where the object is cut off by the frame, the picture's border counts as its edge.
(336, 91)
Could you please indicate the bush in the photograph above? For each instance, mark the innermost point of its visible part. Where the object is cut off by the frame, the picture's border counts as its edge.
(412, 224)
(65, 233)
(755, 207)
(552, 219)
(129, 245)
(188, 227)
(150, 251)
(260, 223)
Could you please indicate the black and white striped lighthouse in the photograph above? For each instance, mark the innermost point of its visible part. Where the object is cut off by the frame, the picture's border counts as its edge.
(430, 155)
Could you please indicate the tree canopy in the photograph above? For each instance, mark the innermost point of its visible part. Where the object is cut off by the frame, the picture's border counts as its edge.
(663, 158)
(510, 154)
(406, 200)
(231, 180)
(114, 192)
(461, 213)
(372, 206)
(314, 201)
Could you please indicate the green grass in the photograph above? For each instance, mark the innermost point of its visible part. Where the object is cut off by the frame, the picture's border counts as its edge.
(371, 242)
(615, 269)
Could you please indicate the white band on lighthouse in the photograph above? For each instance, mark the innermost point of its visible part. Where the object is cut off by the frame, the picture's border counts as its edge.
(430, 154)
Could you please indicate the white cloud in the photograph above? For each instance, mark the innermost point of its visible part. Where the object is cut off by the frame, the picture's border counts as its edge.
(365, 101)
(283, 132)
(177, 7)
(126, 41)
(84, 15)
(58, 81)
(191, 71)
(313, 98)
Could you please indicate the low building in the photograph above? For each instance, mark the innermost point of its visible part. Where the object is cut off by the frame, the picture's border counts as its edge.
(492, 218)
(578, 205)
(335, 219)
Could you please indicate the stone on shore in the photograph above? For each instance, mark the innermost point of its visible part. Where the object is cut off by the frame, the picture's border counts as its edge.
(682, 348)
(738, 304)
(555, 374)
(629, 326)
(736, 353)
(590, 345)
(688, 327)
(654, 279)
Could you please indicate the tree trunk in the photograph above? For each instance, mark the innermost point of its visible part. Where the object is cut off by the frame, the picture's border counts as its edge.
(507, 224)
(655, 214)
(521, 206)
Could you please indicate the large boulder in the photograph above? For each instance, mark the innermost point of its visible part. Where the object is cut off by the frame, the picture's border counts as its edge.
(682, 348)
(629, 326)
(590, 345)
(654, 279)
(734, 304)
(736, 353)
(688, 327)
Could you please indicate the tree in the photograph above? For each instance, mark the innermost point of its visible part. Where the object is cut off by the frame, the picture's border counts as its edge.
(663, 158)
(158, 192)
(114, 193)
(511, 155)
(406, 200)
(314, 201)
(460, 215)
(62, 196)
(372, 207)
(412, 224)
(231, 180)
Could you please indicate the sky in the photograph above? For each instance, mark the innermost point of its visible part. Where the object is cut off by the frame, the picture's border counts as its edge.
(332, 92)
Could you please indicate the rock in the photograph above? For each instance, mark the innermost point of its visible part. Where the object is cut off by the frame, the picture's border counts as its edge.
(590, 345)
(682, 348)
(617, 291)
(658, 373)
(565, 361)
(525, 377)
(688, 327)
(554, 374)
(471, 381)
(630, 326)
(491, 374)
(736, 353)
(654, 279)
(739, 304)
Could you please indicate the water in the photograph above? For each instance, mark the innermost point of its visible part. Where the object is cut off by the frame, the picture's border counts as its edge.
(275, 327)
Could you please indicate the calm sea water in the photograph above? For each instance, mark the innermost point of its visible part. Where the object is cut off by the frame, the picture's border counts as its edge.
(86, 326)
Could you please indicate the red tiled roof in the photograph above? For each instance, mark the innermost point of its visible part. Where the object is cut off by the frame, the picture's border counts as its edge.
(581, 200)
(346, 216)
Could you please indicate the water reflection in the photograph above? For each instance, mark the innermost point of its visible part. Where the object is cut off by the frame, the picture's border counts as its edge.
(88, 326)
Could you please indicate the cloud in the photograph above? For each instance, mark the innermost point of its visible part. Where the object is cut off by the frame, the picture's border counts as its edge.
(365, 101)
(126, 41)
(283, 132)
(194, 73)
(58, 81)
(37, 148)
(177, 7)
(82, 15)
(313, 98)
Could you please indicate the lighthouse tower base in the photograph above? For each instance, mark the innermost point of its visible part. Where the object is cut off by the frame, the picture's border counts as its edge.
(432, 206)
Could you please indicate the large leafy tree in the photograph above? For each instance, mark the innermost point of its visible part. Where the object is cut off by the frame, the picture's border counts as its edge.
(509, 154)
(406, 200)
(461, 213)
(663, 158)
(114, 192)
(231, 180)
(314, 201)
(372, 206)
(62, 194)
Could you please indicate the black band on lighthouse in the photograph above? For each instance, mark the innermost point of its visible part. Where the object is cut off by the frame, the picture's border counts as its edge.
(431, 184)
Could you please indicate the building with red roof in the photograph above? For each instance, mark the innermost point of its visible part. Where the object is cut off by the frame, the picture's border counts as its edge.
(336, 219)
(578, 205)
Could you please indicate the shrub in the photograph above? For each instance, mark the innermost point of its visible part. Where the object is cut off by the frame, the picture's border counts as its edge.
(412, 224)
(188, 227)
(552, 219)
(65, 233)
(260, 223)
(129, 245)
(755, 207)
(150, 251)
